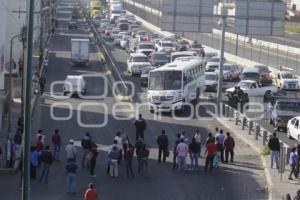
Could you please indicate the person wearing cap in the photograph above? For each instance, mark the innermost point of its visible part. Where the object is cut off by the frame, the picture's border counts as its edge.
(71, 151)
(90, 193)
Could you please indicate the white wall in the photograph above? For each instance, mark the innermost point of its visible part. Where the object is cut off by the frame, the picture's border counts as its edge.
(297, 3)
(11, 24)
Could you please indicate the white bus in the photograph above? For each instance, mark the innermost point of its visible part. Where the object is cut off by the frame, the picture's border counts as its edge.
(175, 83)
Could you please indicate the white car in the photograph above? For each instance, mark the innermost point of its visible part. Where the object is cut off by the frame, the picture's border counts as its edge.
(117, 39)
(211, 81)
(145, 47)
(252, 89)
(114, 33)
(212, 64)
(74, 85)
(179, 54)
(286, 80)
(293, 128)
(136, 62)
(164, 46)
(124, 40)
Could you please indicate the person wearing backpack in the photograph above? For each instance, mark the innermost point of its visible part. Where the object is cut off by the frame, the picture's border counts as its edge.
(47, 160)
(86, 144)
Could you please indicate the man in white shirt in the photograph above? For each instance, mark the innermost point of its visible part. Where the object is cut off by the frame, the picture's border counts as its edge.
(40, 133)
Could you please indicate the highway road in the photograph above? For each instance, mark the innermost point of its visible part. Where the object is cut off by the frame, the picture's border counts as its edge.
(233, 182)
(264, 55)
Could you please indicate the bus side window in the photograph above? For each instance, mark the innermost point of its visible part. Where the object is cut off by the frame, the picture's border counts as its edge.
(185, 79)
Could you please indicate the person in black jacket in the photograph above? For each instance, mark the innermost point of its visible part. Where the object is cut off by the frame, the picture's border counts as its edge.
(47, 160)
(86, 144)
(163, 144)
(140, 127)
(274, 146)
(194, 153)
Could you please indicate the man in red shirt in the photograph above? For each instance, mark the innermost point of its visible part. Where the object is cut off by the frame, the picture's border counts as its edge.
(211, 150)
(90, 193)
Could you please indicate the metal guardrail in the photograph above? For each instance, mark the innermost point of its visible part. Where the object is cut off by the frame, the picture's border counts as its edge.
(122, 89)
(258, 132)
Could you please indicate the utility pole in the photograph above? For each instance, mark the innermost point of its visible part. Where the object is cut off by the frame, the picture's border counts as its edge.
(10, 85)
(27, 106)
(220, 80)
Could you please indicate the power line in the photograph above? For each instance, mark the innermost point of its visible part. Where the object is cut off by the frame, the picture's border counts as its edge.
(9, 12)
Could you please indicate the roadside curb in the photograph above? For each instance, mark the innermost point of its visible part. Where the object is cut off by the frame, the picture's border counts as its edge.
(7, 171)
(270, 183)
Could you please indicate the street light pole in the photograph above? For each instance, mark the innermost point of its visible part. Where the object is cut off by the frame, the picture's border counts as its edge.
(27, 106)
(10, 85)
(220, 80)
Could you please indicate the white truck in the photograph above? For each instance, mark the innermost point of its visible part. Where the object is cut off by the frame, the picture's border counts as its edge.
(115, 10)
(252, 89)
(80, 51)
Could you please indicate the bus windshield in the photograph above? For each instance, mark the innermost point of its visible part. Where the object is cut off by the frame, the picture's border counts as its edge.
(165, 80)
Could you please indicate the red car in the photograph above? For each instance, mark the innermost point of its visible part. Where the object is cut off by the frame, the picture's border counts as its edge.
(265, 74)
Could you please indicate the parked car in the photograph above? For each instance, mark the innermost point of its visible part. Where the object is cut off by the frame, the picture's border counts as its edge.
(286, 80)
(136, 63)
(282, 110)
(145, 75)
(293, 128)
(211, 81)
(158, 58)
(74, 85)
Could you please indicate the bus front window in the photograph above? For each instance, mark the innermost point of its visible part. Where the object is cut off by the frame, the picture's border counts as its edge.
(156, 81)
(172, 80)
(168, 80)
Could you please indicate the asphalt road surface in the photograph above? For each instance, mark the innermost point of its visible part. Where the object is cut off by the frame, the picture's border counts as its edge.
(243, 179)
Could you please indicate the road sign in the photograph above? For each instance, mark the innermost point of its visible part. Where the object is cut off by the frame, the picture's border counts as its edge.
(259, 17)
(186, 15)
